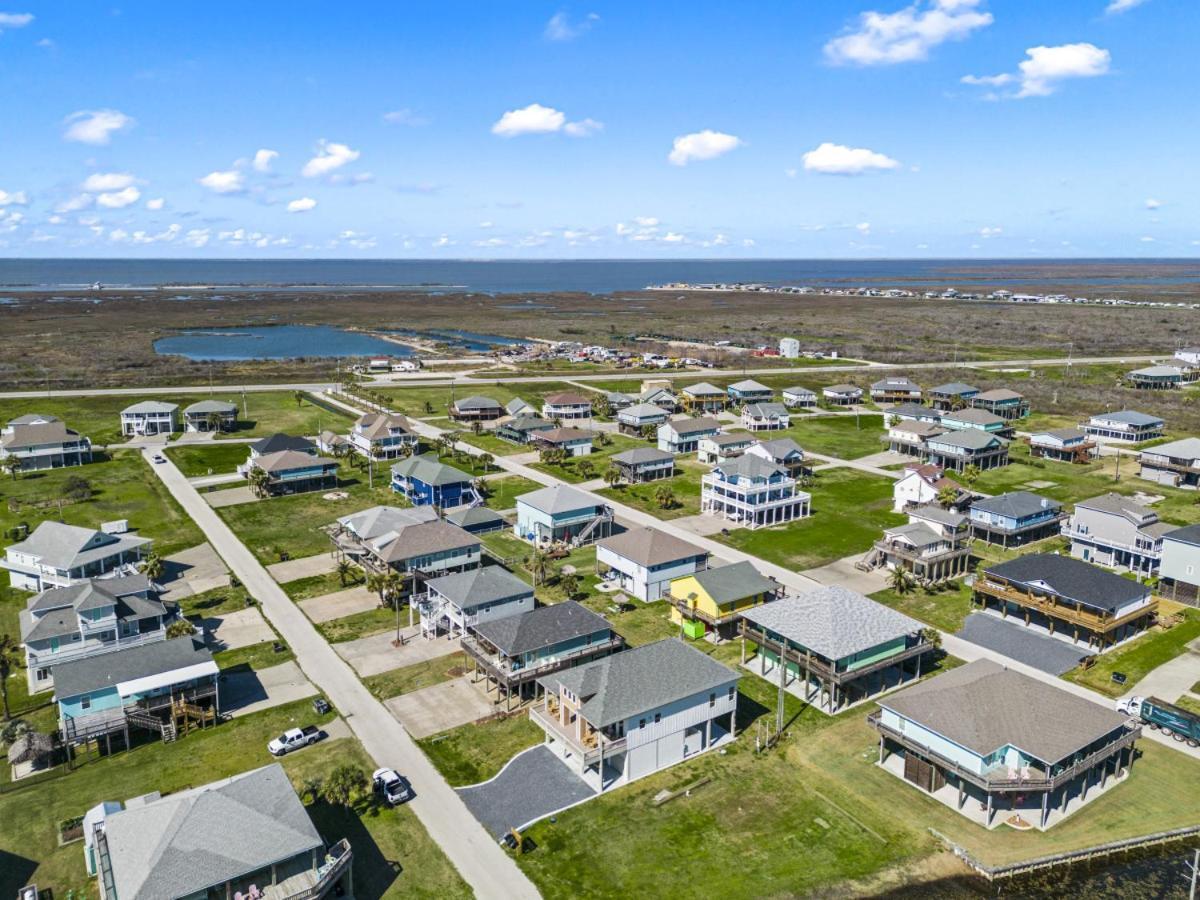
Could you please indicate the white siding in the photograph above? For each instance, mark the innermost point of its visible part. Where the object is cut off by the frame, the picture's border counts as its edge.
(677, 716)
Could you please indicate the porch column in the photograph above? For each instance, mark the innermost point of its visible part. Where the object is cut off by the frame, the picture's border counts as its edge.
(881, 749)
(989, 809)
(1045, 807)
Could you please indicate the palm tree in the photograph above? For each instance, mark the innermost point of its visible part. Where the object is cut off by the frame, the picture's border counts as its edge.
(586, 468)
(569, 582)
(612, 476)
(946, 497)
(310, 787)
(664, 496)
(298, 396)
(152, 567)
(344, 784)
(393, 585)
(649, 432)
(971, 474)
(12, 465)
(344, 568)
(476, 427)
(213, 421)
(601, 406)
(486, 460)
(258, 480)
(900, 581)
(538, 564)
(933, 636)
(428, 407)
(8, 663)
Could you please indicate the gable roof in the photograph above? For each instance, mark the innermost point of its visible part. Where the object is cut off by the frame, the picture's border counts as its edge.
(916, 533)
(379, 521)
(703, 389)
(766, 410)
(1119, 505)
(147, 407)
(95, 673)
(1128, 417)
(513, 406)
(692, 426)
(422, 539)
(68, 546)
(287, 460)
(650, 547)
(280, 441)
(178, 845)
(748, 386)
(558, 498)
(954, 387)
(1072, 579)
(475, 587)
(799, 391)
(833, 621)
(477, 402)
(541, 628)
(736, 581)
(568, 398)
(984, 707)
(931, 512)
(641, 680)
(428, 469)
(373, 425)
(780, 448)
(1016, 504)
(204, 407)
(641, 455)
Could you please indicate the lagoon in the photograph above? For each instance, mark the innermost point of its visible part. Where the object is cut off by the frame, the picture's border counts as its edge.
(275, 342)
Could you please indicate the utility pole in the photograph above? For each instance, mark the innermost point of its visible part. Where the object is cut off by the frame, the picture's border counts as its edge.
(1195, 867)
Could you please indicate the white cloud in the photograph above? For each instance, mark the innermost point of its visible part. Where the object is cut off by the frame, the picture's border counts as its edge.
(230, 181)
(16, 198)
(1151, 203)
(95, 126)
(673, 237)
(1044, 68)
(863, 228)
(907, 35)
(108, 181)
(405, 116)
(14, 20)
(490, 242)
(699, 145)
(1146, 240)
(197, 237)
(646, 221)
(155, 204)
(263, 160)
(561, 28)
(1116, 7)
(329, 156)
(303, 204)
(76, 203)
(119, 199)
(838, 159)
(443, 241)
(791, 173)
(486, 224)
(990, 232)
(532, 119)
(583, 128)
(748, 242)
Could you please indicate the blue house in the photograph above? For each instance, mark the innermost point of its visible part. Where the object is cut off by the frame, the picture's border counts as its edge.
(1015, 518)
(561, 513)
(424, 481)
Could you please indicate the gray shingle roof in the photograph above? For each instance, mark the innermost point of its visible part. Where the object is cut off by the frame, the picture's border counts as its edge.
(914, 411)
(749, 466)
(1158, 372)
(290, 460)
(204, 407)
(568, 398)
(642, 411)
(564, 435)
(42, 434)
(60, 607)
(428, 469)
(641, 680)
(68, 546)
(542, 628)
(379, 521)
(558, 499)
(970, 439)
(997, 394)
(178, 845)
(799, 391)
(766, 410)
(1072, 579)
(375, 425)
(749, 386)
(953, 388)
(513, 406)
(934, 513)
(845, 389)
(1188, 534)
(95, 673)
(781, 448)
(149, 406)
(895, 383)
(833, 622)
(736, 439)
(735, 581)
(984, 706)
(280, 441)
(414, 541)
(1062, 434)
(640, 456)
(1119, 505)
(475, 587)
(916, 533)
(33, 419)
(650, 547)
(1129, 417)
(973, 416)
(476, 403)
(703, 389)
(693, 426)
(1017, 504)
(474, 516)
(1187, 448)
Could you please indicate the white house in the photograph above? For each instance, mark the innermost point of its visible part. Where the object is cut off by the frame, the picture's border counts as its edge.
(799, 398)
(752, 491)
(1176, 463)
(644, 560)
(1179, 571)
(561, 513)
(920, 485)
(380, 436)
(43, 442)
(842, 394)
(58, 555)
(210, 415)
(149, 417)
(1125, 425)
(1116, 531)
(765, 417)
(789, 348)
(453, 603)
(683, 435)
(717, 448)
(567, 406)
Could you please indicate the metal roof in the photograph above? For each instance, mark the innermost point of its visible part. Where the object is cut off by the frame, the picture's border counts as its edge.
(557, 499)
(149, 406)
(428, 469)
(1128, 417)
(1016, 504)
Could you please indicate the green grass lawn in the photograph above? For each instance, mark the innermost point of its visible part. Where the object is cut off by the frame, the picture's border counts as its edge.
(1191, 704)
(320, 585)
(253, 657)
(488, 442)
(477, 751)
(38, 710)
(502, 493)
(684, 484)
(850, 510)
(576, 469)
(945, 610)
(505, 545)
(122, 488)
(642, 623)
(419, 675)
(1138, 657)
(214, 602)
(363, 624)
(846, 437)
(217, 458)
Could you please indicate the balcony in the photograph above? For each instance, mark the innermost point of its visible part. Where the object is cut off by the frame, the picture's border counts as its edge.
(68, 653)
(1049, 606)
(503, 668)
(316, 882)
(911, 554)
(591, 746)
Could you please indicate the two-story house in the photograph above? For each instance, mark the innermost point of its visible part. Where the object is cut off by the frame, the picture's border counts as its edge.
(43, 442)
(210, 415)
(617, 400)
(711, 602)
(928, 552)
(683, 435)
(277, 443)
(749, 391)
(1125, 425)
(566, 406)
(971, 417)
(1159, 378)
(956, 450)
(752, 491)
(799, 398)
(1179, 570)
(411, 541)
(561, 514)
(1176, 463)
(922, 484)
(765, 417)
(571, 441)
(426, 481)
(379, 436)
(1062, 444)
(637, 712)
(914, 412)
(476, 409)
(521, 429)
(842, 394)
(644, 464)
(86, 619)
(58, 555)
(644, 561)
(660, 396)
(702, 398)
(718, 448)
(1015, 518)
(1116, 531)
(783, 452)
(909, 436)
(293, 472)
(1007, 404)
(148, 418)
(632, 419)
(952, 395)
(451, 604)
(896, 389)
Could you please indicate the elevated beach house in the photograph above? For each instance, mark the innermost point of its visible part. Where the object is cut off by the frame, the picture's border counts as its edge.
(753, 492)
(512, 652)
(571, 441)
(922, 484)
(1067, 598)
(765, 417)
(711, 602)
(58, 555)
(637, 712)
(896, 389)
(148, 418)
(1125, 425)
(1007, 404)
(783, 452)
(644, 561)
(380, 436)
(567, 406)
(683, 435)
(1160, 378)
(561, 514)
(426, 481)
(799, 398)
(930, 551)
(412, 541)
(618, 401)
(293, 472)
(952, 395)
(981, 419)
(909, 436)
(1176, 464)
(749, 391)
(1117, 531)
(43, 442)
(984, 739)
(718, 448)
(244, 836)
(277, 443)
(210, 415)
(659, 395)
(956, 450)
(476, 409)
(644, 464)
(521, 429)
(1062, 444)
(837, 647)
(842, 394)
(632, 419)
(451, 604)
(1015, 518)
(1179, 571)
(702, 397)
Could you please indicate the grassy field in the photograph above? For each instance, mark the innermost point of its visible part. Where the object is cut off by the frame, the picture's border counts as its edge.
(489, 443)
(320, 585)
(477, 751)
(122, 488)
(1138, 657)
(684, 484)
(362, 624)
(214, 602)
(503, 492)
(412, 401)
(945, 610)
(594, 464)
(846, 437)
(850, 509)
(217, 458)
(419, 675)
(254, 657)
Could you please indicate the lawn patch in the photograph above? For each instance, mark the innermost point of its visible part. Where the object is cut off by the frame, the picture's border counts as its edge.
(419, 675)
(478, 751)
(363, 624)
(944, 610)
(1139, 657)
(842, 436)
(217, 458)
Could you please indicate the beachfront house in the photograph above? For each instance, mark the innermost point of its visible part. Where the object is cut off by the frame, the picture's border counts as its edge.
(410, 541)
(953, 395)
(566, 406)
(521, 429)
(842, 394)
(837, 647)
(783, 452)
(476, 408)
(1117, 531)
(1176, 464)
(753, 492)
(1066, 598)
(426, 481)
(702, 398)
(932, 546)
(380, 436)
(914, 412)
(1126, 425)
(644, 464)
(618, 401)
(956, 450)
(683, 435)
(571, 441)
(711, 602)
(637, 712)
(1007, 404)
(643, 561)
(895, 389)
(1179, 571)
(43, 442)
(210, 415)
(799, 398)
(922, 484)
(277, 443)
(633, 419)
(59, 555)
(451, 604)
(1159, 378)
(561, 514)
(660, 396)
(717, 448)
(1062, 444)
(749, 391)
(1188, 357)
(149, 417)
(984, 739)
(765, 417)
(247, 836)
(1015, 518)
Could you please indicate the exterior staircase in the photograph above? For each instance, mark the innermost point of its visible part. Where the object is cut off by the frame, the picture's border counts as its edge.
(581, 538)
(873, 559)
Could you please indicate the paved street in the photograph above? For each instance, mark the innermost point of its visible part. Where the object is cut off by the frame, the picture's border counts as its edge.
(476, 855)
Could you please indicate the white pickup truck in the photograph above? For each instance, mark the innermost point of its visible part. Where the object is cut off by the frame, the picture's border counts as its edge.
(294, 739)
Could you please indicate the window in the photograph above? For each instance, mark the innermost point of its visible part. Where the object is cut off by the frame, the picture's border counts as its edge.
(85, 703)
(641, 723)
(732, 690)
(712, 699)
(657, 718)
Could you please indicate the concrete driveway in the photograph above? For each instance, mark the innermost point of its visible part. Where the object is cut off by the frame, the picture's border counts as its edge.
(230, 497)
(532, 785)
(842, 572)
(244, 691)
(193, 571)
(304, 567)
(240, 628)
(1022, 644)
(375, 654)
(440, 707)
(340, 604)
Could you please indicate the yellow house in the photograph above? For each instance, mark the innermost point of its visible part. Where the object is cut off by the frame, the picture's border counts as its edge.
(714, 599)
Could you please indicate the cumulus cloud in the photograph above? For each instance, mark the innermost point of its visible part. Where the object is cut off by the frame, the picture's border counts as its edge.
(108, 181)
(15, 198)
(303, 204)
(119, 199)
(907, 35)
(583, 128)
(863, 228)
(330, 156)
(230, 181)
(1151, 203)
(263, 159)
(1116, 7)
(561, 28)
(700, 145)
(76, 203)
(838, 159)
(14, 20)
(156, 203)
(443, 241)
(1045, 68)
(532, 119)
(95, 126)
(405, 116)
(988, 231)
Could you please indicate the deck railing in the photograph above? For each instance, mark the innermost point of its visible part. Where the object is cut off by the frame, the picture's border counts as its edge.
(1048, 605)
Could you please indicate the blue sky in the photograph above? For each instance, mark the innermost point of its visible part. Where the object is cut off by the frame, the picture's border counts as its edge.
(847, 128)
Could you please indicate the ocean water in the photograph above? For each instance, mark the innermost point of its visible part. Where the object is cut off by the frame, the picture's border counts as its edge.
(588, 276)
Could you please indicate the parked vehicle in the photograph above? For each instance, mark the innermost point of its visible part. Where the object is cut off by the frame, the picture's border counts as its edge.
(294, 739)
(1161, 716)
(320, 705)
(159, 458)
(394, 788)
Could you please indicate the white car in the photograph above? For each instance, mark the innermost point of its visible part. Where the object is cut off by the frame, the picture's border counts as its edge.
(394, 788)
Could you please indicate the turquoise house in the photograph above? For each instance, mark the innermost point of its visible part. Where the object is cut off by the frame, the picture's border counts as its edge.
(561, 514)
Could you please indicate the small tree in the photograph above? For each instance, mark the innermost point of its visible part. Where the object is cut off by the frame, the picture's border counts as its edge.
(77, 489)
(569, 582)
(601, 406)
(14, 730)
(152, 567)
(586, 468)
(486, 460)
(180, 628)
(933, 636)
(664, 496)
(946, 497)
(310, 787)
(344, 570)
(649, 432)
(612, 476)
(971, 474)
(344, 784)
(538, 563)
(11, 465)
(900, 581)
(258, 480)
(298, 396)
(9, 647)
(476, 427)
